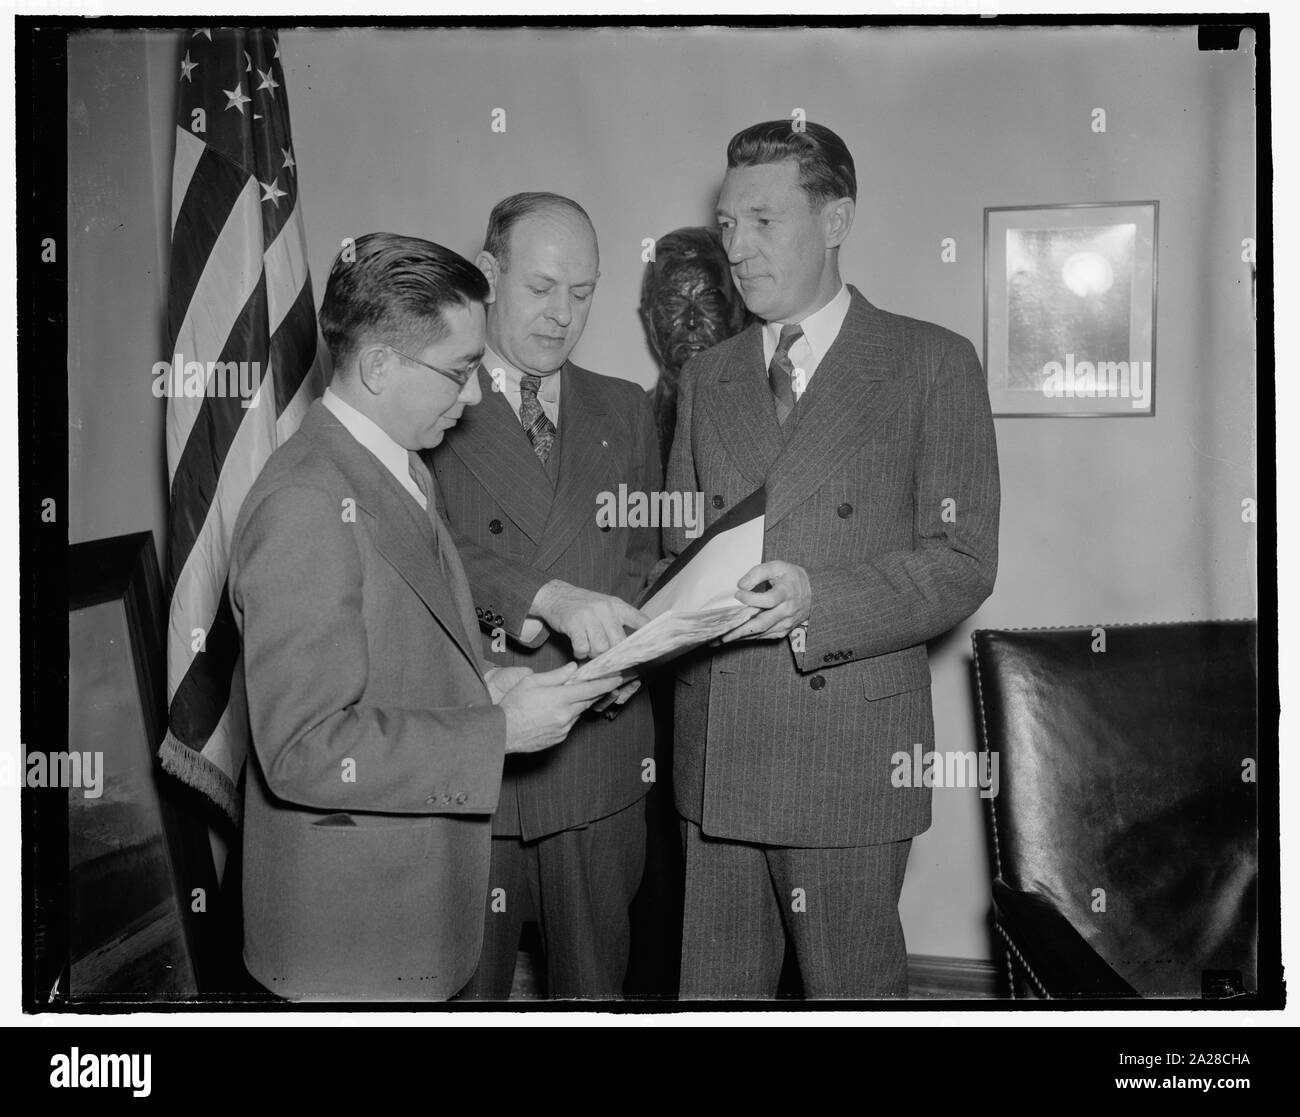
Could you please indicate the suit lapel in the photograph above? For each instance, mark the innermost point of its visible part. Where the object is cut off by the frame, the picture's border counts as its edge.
(495, 448)
(583, 463)
(401, 530)
(743, 409)
(855, 388)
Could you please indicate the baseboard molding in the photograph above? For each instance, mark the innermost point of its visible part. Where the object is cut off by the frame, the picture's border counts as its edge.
(939, 977)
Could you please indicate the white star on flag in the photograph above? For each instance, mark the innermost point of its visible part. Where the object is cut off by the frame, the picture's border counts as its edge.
(237, 100)
(187, 66)
(289, 164)
(271, 192)
(268, 82)
(203, 31)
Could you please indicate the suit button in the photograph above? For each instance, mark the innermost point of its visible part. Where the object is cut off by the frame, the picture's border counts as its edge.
(494, 527)
(432, 800)
(816, 682)
(445, 799)
(844, 511)
(461, 797)
(718, 502)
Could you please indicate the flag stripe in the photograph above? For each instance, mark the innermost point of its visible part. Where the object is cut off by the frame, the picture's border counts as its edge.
(313, 384)
(200, 594)
(231, 276)
(293, 349)
(189, 150)
(203, 220)
(201, 697)
(214, 430)
(286, 269)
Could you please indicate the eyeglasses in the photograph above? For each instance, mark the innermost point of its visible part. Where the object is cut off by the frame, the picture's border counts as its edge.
(460, 379)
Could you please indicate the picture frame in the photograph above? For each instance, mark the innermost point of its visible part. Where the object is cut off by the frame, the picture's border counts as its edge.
(130, 912)
(1070, 309)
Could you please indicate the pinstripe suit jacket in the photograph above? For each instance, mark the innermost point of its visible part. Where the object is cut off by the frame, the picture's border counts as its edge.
(883, 485)
(516, 530)
(377, 754)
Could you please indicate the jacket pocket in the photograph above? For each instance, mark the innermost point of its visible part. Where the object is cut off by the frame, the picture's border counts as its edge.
(896, 673)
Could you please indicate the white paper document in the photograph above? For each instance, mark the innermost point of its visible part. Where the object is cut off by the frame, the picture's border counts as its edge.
(694, 601)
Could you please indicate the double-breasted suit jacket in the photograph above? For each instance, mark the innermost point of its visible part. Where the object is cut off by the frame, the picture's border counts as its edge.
(883, 485)
(376, 751)
(517, 527)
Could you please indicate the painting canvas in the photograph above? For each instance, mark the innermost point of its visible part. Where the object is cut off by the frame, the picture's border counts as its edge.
(1070, 309)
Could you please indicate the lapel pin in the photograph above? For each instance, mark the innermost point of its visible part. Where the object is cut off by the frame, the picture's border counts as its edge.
(604, 444)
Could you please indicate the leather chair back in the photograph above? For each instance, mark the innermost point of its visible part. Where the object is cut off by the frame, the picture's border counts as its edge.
(1126, 795)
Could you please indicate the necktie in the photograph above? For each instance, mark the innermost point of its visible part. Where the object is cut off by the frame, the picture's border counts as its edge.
(541, 431)
(780, 372)
(420, 475)
(448, 560)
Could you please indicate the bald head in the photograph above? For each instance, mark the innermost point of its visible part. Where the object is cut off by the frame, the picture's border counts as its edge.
(541, 261)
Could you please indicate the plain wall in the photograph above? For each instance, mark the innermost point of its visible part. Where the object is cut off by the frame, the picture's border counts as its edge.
(121, 120)
(1104, 520)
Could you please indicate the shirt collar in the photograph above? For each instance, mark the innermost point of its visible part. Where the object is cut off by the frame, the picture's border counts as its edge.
(391, 454)
(821, 327)
(548, 391)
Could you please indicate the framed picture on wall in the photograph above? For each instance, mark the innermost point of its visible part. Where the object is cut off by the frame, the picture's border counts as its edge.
(126, 914)
(1070, 309)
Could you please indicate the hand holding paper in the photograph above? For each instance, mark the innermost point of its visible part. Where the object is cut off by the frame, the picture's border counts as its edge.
(695, 600)
(785, 605)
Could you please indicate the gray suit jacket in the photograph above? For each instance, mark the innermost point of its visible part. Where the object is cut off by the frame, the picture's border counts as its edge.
(377, 754)
(516, 529)
(883, 485)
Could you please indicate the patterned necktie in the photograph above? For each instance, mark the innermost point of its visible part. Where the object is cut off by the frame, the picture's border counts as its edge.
(780, 373)
(541, 431)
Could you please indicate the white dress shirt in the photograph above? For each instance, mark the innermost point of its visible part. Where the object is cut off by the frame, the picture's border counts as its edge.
(392, 455)
(503, 377)
(820, 329)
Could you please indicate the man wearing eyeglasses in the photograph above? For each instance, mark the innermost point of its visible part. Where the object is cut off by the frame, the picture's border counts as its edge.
(378, 728)
(521, 480)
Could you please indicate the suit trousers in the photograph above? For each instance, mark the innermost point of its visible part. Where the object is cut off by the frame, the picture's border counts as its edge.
(838, 908)
(577, 884)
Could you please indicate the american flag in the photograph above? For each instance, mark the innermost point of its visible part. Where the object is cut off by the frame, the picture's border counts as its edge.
(245, 365)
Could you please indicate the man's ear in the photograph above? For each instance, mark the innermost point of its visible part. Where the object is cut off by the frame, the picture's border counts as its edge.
(372, 368)
(838, 219)
(487, 264)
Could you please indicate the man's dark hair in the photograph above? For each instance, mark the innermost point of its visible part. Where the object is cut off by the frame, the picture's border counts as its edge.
(825, 165)
(508, 212)
(394, 289)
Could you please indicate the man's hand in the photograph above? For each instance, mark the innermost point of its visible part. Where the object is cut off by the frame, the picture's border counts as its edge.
(540, 709)
(593, 622)
(785, 606)
(502, 679)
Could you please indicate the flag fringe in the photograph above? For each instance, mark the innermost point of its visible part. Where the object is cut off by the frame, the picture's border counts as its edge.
(195, 770)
